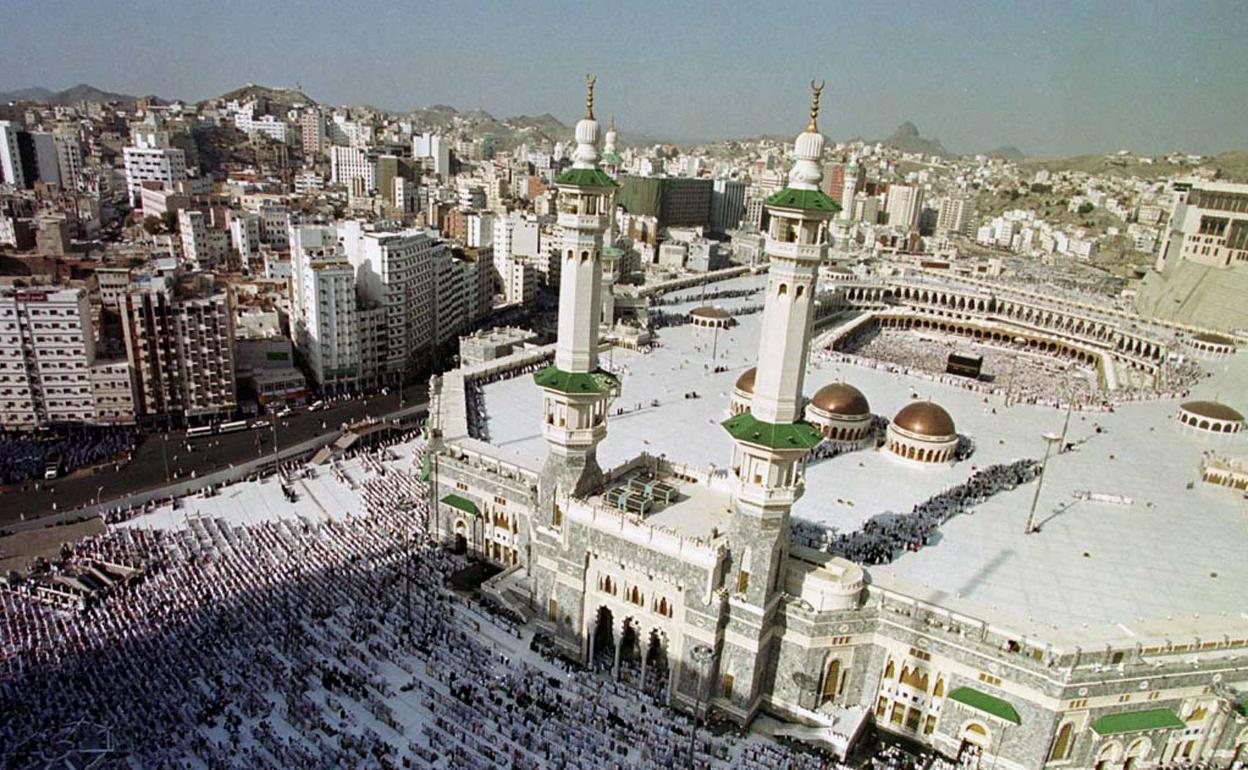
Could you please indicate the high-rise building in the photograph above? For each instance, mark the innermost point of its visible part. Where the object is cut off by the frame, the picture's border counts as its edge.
(11, 171)
(312, 132)
(47, 169)
(49, 373)
(952, 216)
(904, 206)
(324, 318)
(436, 148)
(399, 271)
(180, 342)
(727, 204)
(163, 166)
(349, 164)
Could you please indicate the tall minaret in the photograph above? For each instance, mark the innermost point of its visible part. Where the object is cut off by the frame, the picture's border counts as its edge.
(610, 252)
(575, 391)
(771, 439)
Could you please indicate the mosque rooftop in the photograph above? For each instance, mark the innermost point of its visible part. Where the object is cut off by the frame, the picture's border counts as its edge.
(1178, 550)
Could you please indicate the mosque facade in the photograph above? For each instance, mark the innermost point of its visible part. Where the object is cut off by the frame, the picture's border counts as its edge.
(725, 612)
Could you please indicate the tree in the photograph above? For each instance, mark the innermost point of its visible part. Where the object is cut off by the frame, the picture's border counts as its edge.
(152, 224)
(1085, 208)
(170, 220)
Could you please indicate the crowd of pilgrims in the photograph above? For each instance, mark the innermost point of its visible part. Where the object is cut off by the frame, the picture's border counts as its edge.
(1037, 378)
(24, 457)
(886, 536)
(299, 643)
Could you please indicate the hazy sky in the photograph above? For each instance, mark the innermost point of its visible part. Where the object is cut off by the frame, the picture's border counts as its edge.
(1049, 76)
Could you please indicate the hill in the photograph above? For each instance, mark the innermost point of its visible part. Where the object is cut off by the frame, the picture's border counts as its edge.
(1008, 152)
(276, 97)
(82, 92)
(1232, 165)
(907, 139)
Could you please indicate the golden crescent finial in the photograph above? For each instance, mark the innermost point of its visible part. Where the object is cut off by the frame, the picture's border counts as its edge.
(589, 96)
(816, 88)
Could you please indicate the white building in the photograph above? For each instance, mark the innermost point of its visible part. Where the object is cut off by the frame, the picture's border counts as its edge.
(48, 370)
(436, 148)
(1209, 226)
(324, 321)
(905, 204)
(165, 166)
(348, 164)
(11, 172)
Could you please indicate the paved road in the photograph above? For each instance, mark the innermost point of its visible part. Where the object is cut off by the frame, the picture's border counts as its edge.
(158, 458)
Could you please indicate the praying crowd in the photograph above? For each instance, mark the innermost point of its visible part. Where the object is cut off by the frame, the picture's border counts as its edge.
(297, 643)
(24, 457)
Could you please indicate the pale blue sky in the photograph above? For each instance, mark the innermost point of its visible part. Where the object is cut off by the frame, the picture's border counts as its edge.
(1051, 77)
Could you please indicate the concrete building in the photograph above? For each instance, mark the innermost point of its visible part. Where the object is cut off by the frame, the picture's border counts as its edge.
(904, 206)
(324, 319)
(162, 166)
(12, 171)
(1208, 226)
(953, 215)
(179, 336)
(727, 204)
(49, 373)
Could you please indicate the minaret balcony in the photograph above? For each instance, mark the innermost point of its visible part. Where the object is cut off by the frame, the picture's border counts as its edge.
(574, 437)
(799, 252)
(762, 496)
(583, 221)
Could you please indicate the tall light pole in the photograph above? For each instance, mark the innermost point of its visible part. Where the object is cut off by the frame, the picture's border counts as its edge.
(1070, 405)
(1049, 440)
(701, 655)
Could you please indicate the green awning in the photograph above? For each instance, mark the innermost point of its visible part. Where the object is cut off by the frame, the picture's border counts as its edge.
(554, 378)
(1137, 721)
(585, 177)
(782, 435)
(426, 468)
(462, 503)
(805, 200)
(989, 704)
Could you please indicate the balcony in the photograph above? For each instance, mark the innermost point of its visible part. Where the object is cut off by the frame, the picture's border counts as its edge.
(582, 221)
(804, 252)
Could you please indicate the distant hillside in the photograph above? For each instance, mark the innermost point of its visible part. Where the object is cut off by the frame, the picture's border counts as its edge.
(907, 139)
(1232, 165)
(79, 93)
(1008, 152)
(277, 97)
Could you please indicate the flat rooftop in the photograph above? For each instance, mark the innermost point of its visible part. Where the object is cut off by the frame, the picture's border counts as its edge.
(1092, 563)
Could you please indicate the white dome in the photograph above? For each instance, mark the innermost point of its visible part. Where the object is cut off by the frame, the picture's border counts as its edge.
(586, 153)
(806, 173)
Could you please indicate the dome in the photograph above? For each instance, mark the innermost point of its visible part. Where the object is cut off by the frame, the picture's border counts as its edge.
(745, 382)
(1213, 410)
(925, 419)
(1210, 338)
(715, 313)
(841, 398)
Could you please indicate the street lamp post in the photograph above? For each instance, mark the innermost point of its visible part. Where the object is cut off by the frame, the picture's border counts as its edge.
(701, 656)
(1049, 440)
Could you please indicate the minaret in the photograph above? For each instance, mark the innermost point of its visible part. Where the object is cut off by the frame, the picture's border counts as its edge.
(610, 252)
(771, 439)
(575, 391)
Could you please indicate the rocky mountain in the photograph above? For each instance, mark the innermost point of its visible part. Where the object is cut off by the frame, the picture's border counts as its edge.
(907, 139)
(278, 98)
(1008, 152)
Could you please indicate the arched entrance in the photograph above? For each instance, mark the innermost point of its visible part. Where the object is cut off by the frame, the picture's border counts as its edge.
(602, 641)
(459, 544)
(831, 682)
(1137, 754)
(974, 741)
(1108, 756)
(654, 669)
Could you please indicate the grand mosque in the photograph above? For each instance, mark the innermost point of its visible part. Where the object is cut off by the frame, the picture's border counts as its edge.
(1109, 635)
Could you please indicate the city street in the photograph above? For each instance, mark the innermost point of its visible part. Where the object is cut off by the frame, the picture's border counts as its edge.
(158, 459)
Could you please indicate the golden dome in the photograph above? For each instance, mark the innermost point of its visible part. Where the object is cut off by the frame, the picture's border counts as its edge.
(841, 398)
(1213, 410)
(924, 418)
(745, 382)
